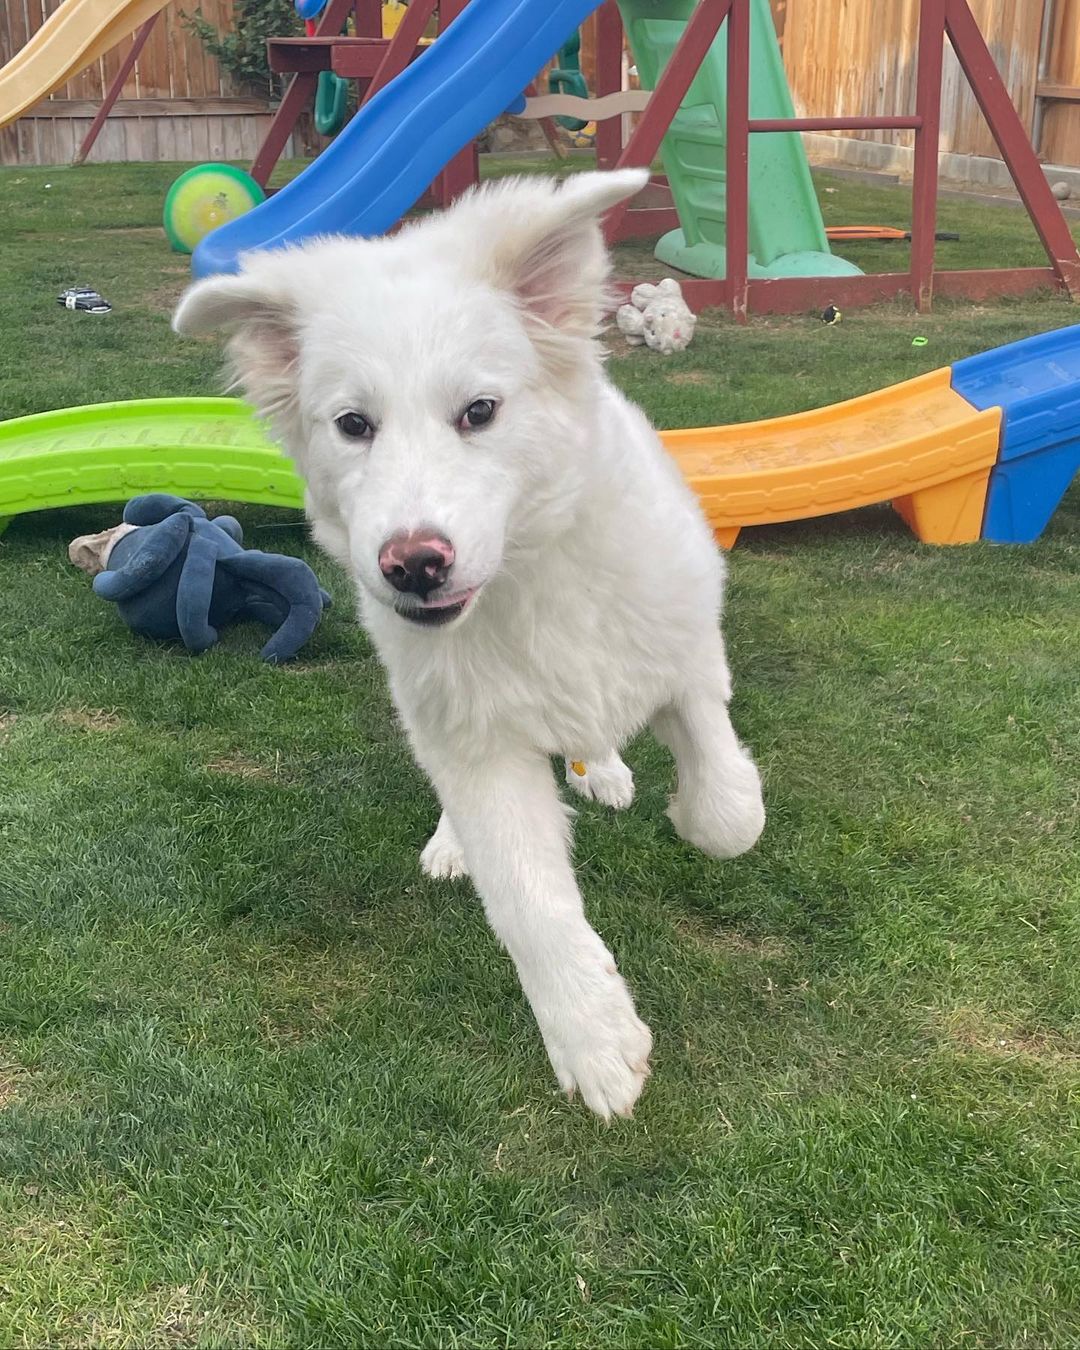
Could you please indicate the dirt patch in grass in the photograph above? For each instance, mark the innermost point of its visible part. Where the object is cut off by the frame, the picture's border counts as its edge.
(90, 719)
(7, 721)
(239, 766)
(973, 1033)
(690, 377)
(729, 942)
(163, 297)
(11, 1077)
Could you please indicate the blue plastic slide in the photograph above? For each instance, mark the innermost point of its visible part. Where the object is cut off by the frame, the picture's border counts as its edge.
(394, 147)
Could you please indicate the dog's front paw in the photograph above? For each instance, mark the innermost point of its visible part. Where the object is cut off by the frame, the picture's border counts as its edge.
(442, 857)
(728, 818)
(600, 1047)
(608, 781)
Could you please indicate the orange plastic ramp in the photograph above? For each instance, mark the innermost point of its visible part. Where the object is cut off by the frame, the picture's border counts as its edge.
(918, 445)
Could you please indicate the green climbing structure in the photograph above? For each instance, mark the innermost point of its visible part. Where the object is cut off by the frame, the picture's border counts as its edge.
(787, 234)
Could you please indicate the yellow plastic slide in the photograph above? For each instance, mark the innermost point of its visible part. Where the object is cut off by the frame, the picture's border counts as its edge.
(71, 39)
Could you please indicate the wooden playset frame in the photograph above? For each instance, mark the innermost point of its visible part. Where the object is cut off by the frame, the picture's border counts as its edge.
(373, 61)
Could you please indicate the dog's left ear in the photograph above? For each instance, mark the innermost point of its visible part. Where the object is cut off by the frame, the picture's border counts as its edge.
(550, 252)
(259, 308)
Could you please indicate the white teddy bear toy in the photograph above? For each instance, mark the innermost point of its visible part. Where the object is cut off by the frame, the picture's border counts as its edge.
(658, 317)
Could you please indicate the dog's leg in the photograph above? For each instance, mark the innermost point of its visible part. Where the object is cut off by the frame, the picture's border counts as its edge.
(443, 857)
(515, 833)
(607, 780)
(718, 805)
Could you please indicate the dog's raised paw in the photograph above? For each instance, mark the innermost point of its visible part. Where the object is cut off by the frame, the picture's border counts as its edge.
(602, 1051)
(442, 857)
(609, 781)
(728, 819)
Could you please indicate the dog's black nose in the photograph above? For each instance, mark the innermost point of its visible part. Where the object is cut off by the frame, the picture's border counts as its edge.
(416, 563)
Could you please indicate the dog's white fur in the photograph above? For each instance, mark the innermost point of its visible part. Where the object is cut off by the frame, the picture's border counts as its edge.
(598, 582)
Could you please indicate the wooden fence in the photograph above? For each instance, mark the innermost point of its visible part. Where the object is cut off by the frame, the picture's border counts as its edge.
(176, 105)
(858, 56)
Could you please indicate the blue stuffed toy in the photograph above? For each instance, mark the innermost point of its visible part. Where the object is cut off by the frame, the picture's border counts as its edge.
(175, 573)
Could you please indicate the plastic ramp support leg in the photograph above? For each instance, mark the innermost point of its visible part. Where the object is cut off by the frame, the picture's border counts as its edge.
(1036, 384)
(947, 513)
(1025, 493)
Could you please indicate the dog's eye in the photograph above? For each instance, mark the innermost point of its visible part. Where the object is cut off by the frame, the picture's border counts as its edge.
(354, 426)
(478, 414)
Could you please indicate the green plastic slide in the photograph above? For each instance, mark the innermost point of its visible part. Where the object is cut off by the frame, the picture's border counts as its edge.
(209, 448)
(787, 235)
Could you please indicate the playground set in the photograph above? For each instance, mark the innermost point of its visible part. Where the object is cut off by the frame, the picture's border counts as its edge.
(702, 64)
(985, 449)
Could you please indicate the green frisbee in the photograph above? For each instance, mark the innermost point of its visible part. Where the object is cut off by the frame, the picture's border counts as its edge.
(205, 197)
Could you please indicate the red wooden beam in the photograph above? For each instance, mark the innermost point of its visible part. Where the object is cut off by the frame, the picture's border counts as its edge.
(367, 16)
(402, 45)
(1012, 140)
(113, 91)
(463, 171)
(989, 283)
(609, 54)
(351, 57)
(925, 180)
(834, 123)
(294, 55)
(809, 295)
(645, 220)
(737, 213)
(354, 62)
(300, 92)
(644, 142)
(790, 295)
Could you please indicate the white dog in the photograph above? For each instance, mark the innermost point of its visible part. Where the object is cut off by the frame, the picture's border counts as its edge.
(535, 573)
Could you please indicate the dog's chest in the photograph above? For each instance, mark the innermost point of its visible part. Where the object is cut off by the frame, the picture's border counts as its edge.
(564, 682)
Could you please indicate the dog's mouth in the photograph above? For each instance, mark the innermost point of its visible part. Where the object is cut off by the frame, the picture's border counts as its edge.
(435, 613)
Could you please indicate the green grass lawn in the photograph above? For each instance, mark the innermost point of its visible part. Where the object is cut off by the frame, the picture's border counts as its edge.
(261, 1083)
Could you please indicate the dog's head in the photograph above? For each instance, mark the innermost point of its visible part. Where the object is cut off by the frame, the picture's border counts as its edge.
(429, 384)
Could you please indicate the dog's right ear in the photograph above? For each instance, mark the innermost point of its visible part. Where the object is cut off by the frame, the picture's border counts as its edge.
(225, 302)
(257, 307)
